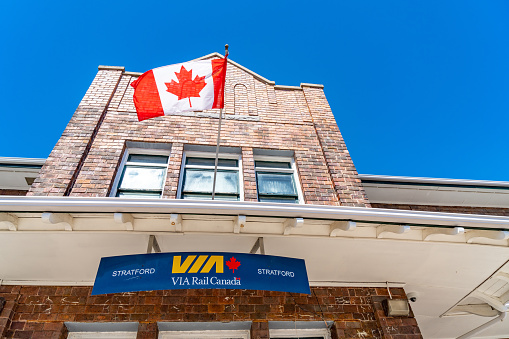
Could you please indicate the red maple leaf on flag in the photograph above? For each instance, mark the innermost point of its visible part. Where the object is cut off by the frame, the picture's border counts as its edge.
(233, 264)
(186, 87)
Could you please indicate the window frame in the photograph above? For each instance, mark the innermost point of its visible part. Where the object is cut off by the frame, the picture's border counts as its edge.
(217, 334)
(122, 167)
(94, 330)
(211, 155)
(291, 170)
(299, 333)
(96, 335)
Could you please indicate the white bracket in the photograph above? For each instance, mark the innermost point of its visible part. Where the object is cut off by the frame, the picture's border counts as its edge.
(153, 244)
(238, 223)
(483, 310)
(502, 276)
(9, 220)
(176, 220)
(428, 232)
(258, 245)
(337, 226)
(472, 236)
(126, 219)
(57, 218)
(382, 231)
(493, 302)
(289, 224)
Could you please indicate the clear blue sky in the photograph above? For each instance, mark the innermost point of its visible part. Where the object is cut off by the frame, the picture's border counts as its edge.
(418, 88)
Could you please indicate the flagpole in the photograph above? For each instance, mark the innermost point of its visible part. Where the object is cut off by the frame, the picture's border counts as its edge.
(218, 138)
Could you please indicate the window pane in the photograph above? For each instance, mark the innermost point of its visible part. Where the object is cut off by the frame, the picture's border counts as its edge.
(152, 159)
(211, 162)
(276, 183)
(209, 197)
(272, 164)
(200, 161)
(148, 178)
(197, 180)
(139, 194)
(268, 198)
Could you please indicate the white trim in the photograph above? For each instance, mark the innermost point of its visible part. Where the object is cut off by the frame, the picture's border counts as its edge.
(118, 175)
(218, 334)
(301, 333)
(22, 161)
(438, 181)
(248, 208)
(97, 335)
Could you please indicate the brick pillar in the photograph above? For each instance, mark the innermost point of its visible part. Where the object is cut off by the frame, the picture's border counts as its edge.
(147, 331)
(341, 168)
(63, 162)
(260, 330)
(9, 294)
(173, 174)
(395, 327)
(336, 331)
(248, 168)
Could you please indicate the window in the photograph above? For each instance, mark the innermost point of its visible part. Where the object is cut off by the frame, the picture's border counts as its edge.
(197, 176)
(143, 171)
(218, 334)
(127, 330)
(99, 335)
(299, 329)
(299, 334)
(201, 330)
(276, 179)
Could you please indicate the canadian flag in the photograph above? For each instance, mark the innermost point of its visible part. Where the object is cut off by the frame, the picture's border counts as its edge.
(190, 86)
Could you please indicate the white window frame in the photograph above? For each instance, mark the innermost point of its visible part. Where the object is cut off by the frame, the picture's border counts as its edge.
(98, 335)
(292, 170)
(217, 334)
(211, 155)
(139, 151)
(300, 333)
(123, 330)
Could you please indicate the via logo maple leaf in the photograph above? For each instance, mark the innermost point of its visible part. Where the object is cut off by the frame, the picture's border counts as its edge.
(233, 264)
(186, 87)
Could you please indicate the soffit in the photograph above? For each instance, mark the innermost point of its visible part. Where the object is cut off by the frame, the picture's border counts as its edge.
(15, 178)
(441, 265)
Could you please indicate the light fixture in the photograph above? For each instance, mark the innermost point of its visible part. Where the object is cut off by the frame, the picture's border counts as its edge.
(396, 307)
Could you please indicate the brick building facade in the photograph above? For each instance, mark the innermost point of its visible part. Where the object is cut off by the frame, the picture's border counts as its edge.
(262, 121)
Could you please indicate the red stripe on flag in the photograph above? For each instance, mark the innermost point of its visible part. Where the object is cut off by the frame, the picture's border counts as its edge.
(146, 97)
(219, 77)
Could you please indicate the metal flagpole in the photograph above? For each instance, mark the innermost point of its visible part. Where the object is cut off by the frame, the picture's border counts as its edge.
(218, 138)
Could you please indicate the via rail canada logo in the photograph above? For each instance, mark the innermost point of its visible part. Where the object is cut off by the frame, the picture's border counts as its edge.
(194, 264)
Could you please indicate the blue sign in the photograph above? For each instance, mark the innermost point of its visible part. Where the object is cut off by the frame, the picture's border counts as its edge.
(190, 270)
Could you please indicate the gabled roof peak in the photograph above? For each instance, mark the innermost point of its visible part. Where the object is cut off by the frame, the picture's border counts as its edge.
(256, 75)
(219, 55)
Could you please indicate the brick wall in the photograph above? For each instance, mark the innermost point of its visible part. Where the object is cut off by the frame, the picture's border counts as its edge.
(259, 115)
(447, 209)
(40, 312)
(13, 192)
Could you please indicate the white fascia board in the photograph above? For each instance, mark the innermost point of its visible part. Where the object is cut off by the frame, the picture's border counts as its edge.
(438, 181)
(168, 206)
(22, 161)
